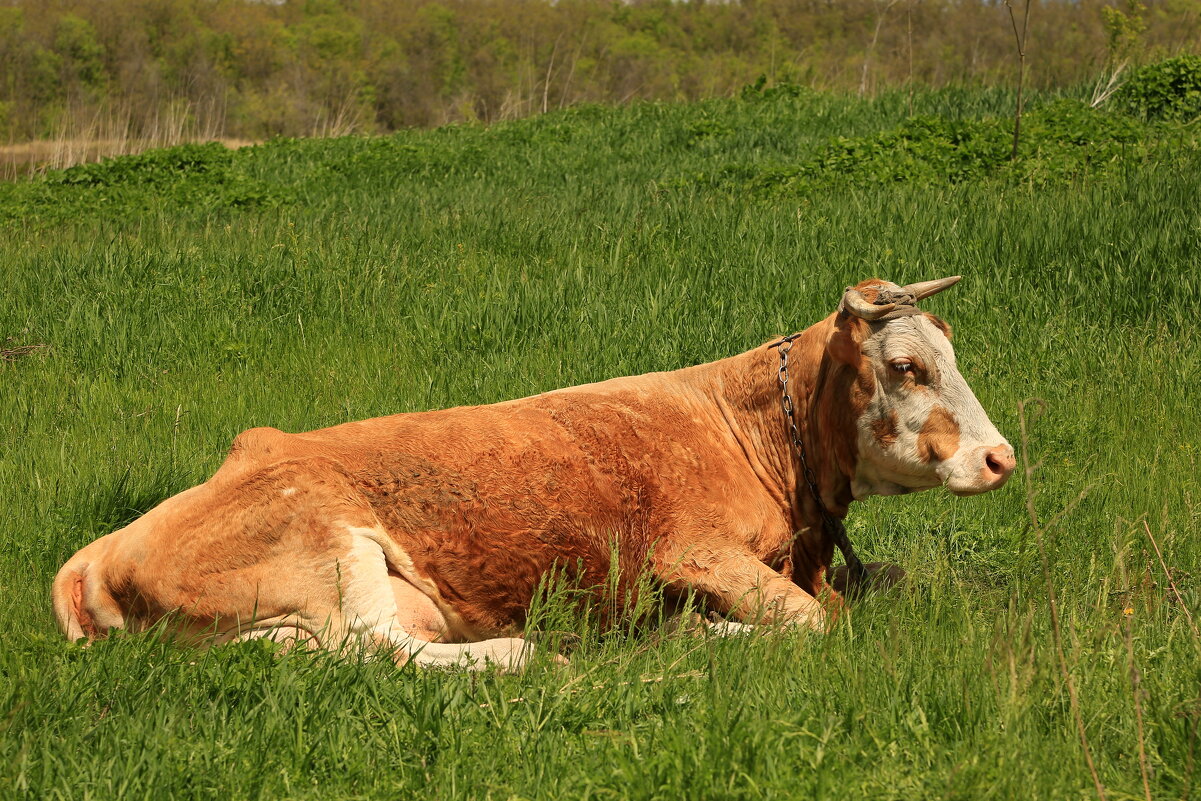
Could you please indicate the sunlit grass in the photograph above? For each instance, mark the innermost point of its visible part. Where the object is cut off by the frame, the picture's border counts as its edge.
(472, 265)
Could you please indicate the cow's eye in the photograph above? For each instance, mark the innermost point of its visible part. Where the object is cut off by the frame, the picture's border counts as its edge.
(901, 366)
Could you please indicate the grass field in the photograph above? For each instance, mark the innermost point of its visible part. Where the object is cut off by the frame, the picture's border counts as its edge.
(179, 297)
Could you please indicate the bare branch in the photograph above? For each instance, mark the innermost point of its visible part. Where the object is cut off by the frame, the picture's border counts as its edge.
(1020, 39)
(871, 47)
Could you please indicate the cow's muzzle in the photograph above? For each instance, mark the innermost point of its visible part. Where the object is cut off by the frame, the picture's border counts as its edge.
(982, 469)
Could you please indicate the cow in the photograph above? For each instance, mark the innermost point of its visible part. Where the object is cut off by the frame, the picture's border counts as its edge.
(428, 535)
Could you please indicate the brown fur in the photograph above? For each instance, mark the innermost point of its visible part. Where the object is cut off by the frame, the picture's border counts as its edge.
(939, 438)
(884, 429)
(939, 323)
(77, 606)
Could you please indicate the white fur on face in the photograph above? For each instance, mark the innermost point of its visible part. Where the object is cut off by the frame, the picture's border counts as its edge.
(906, 440)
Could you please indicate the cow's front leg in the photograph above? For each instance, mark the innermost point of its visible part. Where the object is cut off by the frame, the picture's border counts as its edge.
(738, 584)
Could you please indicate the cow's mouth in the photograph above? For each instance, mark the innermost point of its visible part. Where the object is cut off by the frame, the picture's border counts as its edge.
(966, 490)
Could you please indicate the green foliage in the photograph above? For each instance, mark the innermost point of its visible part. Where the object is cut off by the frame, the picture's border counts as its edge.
(155, 169)
(1168, 90)
(75, 40)
(259, 69)
(1124, 30)
(760, 91)
(1062, 140)
(205, 176)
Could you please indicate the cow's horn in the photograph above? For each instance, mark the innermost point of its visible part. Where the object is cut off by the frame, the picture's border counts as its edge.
(854, 302)
(924, 289)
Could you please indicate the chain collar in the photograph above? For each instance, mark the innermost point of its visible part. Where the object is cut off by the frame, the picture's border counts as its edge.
(831, 525)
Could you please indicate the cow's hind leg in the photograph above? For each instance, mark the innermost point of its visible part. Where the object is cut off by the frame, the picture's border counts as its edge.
(381, 611)
(329, 569)
(287, 636)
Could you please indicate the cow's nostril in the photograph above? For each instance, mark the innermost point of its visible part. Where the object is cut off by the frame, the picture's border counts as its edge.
(999, 461)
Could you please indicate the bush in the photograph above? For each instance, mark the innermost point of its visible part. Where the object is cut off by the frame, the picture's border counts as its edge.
(206, 176)
(1169, 90)
(1062, 140)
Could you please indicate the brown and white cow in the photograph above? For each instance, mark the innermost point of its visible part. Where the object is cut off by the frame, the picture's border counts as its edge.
(428, 533)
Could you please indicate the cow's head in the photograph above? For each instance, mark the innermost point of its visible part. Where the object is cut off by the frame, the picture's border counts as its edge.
(919, 425)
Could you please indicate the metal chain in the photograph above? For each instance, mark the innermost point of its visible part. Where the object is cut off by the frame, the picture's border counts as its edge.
(832, 525)
(790, 413)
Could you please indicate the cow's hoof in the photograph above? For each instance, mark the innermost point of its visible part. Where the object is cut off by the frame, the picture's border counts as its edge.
(881, 576)
(728, 628)
(565, 641)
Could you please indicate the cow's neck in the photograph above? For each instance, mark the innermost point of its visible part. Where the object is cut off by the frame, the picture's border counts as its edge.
(821, 390)
(825, 398)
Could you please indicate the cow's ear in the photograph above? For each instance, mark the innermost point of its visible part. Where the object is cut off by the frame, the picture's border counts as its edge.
(845, 344)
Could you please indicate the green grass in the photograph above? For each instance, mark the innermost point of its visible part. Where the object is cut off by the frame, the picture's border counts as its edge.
(193, 294)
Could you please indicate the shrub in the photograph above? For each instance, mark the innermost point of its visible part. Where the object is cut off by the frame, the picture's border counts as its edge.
(204, 176)
(1064, 140)
(1169, 90)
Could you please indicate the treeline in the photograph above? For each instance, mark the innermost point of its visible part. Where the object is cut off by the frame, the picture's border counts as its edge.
(238, 68)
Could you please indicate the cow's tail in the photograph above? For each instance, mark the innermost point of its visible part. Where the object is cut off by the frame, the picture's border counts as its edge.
(68, 593)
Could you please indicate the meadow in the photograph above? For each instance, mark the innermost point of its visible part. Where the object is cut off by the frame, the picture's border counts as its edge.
(156, 305)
